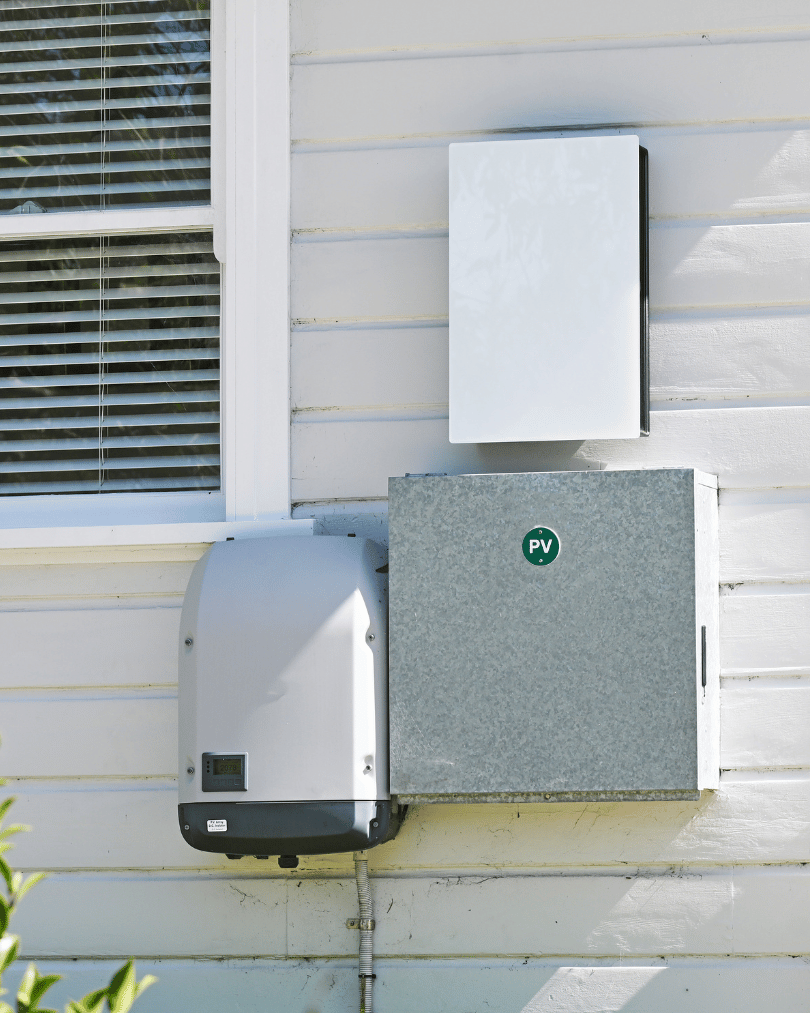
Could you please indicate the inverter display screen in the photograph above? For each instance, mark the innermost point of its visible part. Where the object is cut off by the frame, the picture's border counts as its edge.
(224, 771)
(228, 765)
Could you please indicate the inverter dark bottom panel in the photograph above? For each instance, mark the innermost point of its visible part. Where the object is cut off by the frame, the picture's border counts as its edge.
(286, 828)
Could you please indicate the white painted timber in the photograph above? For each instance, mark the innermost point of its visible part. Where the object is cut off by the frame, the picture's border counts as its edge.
(765, 535)
(656, 85)
(718, 911)
(375, 279)
(369, 367)
(747, 359)
(252, 188)
(708, 172)
(88, 647)
(362, 518)
(95, 581)
(131, 732)
(77, 555)
(765, 632)
(725, 265)
(182, 914)
(690, 266)
(745, 448)
(754, 356)
(120, 733)
(143, 534)
(525, 985)
(355, 26)
(765, 723)
(755, 819)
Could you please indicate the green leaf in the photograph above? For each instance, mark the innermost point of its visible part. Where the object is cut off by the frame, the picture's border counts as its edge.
(16, 880)
(5, 911)
(5, 1008)
(5, 870)
(143, 984)
(33, 879)
(123, 989)
(41, 986)
(8, 951)
(32, 987)
(25, 986)
(6, 804)
(91, 1003)
(15, 828)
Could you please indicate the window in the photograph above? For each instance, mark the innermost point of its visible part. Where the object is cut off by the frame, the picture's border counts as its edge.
(109, 287)
(109, 371)
(104, 105)
(109, 344)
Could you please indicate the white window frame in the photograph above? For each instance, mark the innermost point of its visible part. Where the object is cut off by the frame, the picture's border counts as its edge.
(250, 219)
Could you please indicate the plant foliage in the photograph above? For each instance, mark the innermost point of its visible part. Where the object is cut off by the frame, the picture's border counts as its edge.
(117, 997)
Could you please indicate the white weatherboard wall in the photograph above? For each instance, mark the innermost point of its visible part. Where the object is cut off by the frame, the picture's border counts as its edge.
(664, 907)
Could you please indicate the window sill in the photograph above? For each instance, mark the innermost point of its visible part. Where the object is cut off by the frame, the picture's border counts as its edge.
(150, 534)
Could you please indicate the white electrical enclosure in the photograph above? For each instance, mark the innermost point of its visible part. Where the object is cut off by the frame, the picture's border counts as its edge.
(283, 698)
(548, 290)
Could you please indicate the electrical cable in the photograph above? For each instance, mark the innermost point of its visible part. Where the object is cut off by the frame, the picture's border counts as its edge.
(366, 926)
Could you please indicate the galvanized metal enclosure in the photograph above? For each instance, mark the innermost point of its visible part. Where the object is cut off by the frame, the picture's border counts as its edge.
(578, 679)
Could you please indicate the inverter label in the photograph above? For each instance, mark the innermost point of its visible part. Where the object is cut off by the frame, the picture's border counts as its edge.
(541, 546)
(217, 826)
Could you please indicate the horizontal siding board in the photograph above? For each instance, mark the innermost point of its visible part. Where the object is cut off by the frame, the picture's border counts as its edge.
(133, 825)
(735, 356)
(764, 533)
(720, 912)
(400, 187)
(747, 448)
(765, 724)
(93, 580)
(121, 734)
(705, 173)
(727, 265)
(356, 25)
(530, 985)
(690, 266)
(765, 632)
(765, 536)
(369, 367)
(375, 278)
(173, 915)
(79, 555)
(599, 914)
(91, 647)
(679, 84)
(756, 357)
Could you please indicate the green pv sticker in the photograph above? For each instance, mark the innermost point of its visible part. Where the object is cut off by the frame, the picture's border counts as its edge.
(541, 546)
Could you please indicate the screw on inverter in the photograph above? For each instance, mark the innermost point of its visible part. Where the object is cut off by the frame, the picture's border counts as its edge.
(188, 641)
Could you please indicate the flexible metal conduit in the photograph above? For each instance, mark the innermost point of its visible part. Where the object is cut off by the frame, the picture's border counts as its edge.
(366, 974)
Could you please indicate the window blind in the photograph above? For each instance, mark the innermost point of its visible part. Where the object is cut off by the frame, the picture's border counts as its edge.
(109, 364)
(104, 105)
